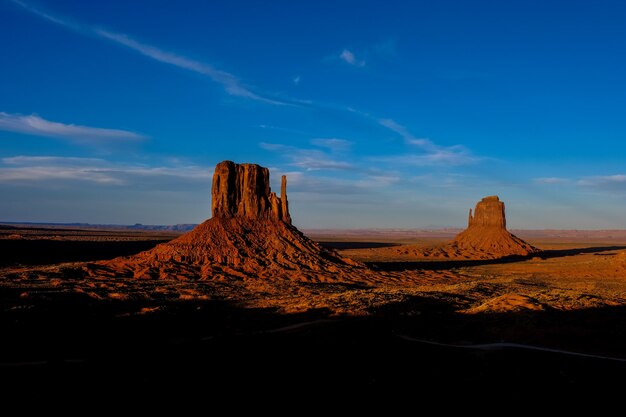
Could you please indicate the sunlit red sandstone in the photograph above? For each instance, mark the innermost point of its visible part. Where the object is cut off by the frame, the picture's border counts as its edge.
(249, 236)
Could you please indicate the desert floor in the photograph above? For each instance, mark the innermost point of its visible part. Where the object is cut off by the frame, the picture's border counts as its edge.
(550, 322)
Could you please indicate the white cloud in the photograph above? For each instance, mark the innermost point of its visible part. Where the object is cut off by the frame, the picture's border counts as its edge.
(307, 184)
(296, 80)
(444, 157)
(35, 125)
(348, 56)
(433, 154)
(50, 160)
(37, 169)
(47, 16)
(232, 85)
(52, 168)
(551, 180)
(333, 144)
(406, 135)
(307, 159)
(611, 182)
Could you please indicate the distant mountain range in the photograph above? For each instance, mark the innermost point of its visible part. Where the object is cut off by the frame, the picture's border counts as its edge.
(137, 226)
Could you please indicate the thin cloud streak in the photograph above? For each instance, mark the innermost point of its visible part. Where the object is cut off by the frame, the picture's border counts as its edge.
(47, 16)
(307, 159)
(551, 180)
(232, 85)
(609, 182)
(51, 160)
(37, 169)
(35, 125)
(433, 154)
(333, 144)
(445, 158)
(427, 144)
(313, 186)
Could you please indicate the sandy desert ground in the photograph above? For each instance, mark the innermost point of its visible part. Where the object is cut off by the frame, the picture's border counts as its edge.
(557, 318)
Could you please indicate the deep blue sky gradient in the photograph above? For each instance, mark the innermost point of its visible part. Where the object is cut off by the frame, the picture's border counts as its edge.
(382, 114)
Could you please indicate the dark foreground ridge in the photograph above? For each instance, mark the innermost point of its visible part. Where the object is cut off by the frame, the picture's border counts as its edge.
(97, 348)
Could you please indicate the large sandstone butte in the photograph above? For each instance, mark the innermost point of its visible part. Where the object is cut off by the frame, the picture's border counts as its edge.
(243, 190)
(486, 235)
(249, 236)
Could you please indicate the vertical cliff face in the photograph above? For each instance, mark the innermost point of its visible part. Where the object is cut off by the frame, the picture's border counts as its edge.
(489, 212)
(243, 190)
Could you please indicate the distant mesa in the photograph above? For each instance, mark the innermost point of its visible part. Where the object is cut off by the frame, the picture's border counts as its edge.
(486, 234)
(249, 236)
(486, 237)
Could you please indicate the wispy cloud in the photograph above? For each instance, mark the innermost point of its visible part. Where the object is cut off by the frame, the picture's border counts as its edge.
(40, 169)
(307, 159)
(313, 185)
(610, 182)
(47, 16)
(232, 85)
(51, 161)
(286, 130)
(36, 169)
(444, 157)
(551, 180)
(296, 80)
(305, 184)
(348, 56)
(35, 125)
(406, 135)
(333, 144)
(449, 181)
(433, 154)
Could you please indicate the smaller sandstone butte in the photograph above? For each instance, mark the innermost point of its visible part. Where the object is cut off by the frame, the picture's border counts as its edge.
(489, 212)
(244, 190)
(486, 235)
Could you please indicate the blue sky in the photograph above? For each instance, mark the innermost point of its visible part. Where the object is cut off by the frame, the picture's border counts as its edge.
(381, 114)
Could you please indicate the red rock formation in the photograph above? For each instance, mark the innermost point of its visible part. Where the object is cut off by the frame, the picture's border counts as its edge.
(489, 212)
(244, 190)
(249, 236)
(486, 235)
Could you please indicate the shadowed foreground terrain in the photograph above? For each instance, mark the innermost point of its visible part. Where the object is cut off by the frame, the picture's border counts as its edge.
(438, 325)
